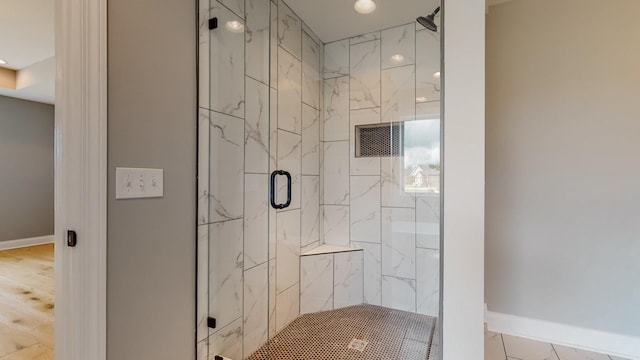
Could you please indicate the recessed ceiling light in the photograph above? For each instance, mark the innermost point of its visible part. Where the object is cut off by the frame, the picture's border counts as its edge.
(365, 6)
(437, 75)
(3, 62)
(397, 58)
(235, 26)
(421, 99)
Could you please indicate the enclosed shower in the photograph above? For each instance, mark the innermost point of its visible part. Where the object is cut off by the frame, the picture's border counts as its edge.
(319, 185)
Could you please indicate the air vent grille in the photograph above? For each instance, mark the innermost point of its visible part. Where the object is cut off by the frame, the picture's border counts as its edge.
(379, 140)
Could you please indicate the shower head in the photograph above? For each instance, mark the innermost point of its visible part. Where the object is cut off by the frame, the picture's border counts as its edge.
(429, 20)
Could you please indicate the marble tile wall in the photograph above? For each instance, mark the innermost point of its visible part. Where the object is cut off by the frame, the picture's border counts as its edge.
(331, 281)
(260, 110)
(383, 76)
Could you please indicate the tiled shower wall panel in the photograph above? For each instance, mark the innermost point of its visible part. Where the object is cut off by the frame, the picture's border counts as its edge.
(363, 200)
(260, 101)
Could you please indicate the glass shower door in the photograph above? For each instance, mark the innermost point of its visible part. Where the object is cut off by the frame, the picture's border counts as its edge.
(235, 145)
(347, 135)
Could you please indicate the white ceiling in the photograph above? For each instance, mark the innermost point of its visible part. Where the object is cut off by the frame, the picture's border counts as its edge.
(27, 44)
(334, 20)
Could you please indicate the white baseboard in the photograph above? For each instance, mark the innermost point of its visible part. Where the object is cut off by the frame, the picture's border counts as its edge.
(567, 335)
(20, 243)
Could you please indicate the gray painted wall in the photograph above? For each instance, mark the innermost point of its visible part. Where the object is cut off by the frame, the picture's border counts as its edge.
(563, 140)
(152, 123)
(26, 169)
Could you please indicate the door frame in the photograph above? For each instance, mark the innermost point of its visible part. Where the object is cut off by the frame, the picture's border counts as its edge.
(81, 179)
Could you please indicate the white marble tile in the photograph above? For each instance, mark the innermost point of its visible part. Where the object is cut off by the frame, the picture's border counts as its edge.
(289, 159)
(336, 109)
(328, 249)
(393, 184)
(322, 102)
(365, 75)
(428, 221)
(273, 48)
(288, 250)
(273, 128)
(566, 353)
(365, 209)
(310, 140)
(336, 173)
(428, 281)
(225, 271)
(202, 350)
(336, 225)
(227, 341)
(398, 243)
(372, 272)
(226, 166)
(316, 283)
(308, 248)
(256, 219)
(428, 110)
(203, 282)
(203, 54)
(493, 347)
(289, 30)
(227, 65)
(287, 306)
(257, 40)
(348, 279)
(273, 154)
(526, 349)
(289, 92)
(311, 33)
(365, 37)
(363, 165)
(310, 210)
(256, 130)
(398, 293)
(427, 64)
(272, 298)
(398, 94)
(310, 71)
(617, 358)
(237, 6)
(256, 308)
(203, 166)
(336, 59)
(400, 41)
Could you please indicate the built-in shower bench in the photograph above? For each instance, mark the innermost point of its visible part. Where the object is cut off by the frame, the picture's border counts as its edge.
(331, 277)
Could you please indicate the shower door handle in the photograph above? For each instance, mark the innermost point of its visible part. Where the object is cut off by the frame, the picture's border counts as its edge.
(273, 189)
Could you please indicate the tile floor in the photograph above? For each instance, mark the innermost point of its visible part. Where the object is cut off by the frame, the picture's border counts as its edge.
(506, 347)
(390, 334)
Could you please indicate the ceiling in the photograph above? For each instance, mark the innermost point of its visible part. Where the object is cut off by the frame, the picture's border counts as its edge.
(27, 44)
(333, 20)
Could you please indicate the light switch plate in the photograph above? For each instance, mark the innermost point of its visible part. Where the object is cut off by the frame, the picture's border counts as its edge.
(135, 183)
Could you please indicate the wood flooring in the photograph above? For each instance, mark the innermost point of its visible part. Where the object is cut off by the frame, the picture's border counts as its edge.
(26, 303)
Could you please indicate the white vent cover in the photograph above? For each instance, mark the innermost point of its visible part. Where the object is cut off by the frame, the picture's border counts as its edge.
(379, 140)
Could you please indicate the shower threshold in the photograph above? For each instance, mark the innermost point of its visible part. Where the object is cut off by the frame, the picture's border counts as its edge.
(356, 332)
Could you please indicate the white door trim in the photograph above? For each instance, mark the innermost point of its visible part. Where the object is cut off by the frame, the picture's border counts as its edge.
(81, 178)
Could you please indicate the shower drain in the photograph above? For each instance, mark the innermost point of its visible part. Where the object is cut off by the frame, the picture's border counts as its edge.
(357, 344)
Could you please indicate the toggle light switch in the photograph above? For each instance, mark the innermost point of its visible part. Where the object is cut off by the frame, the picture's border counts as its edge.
(137, 183)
